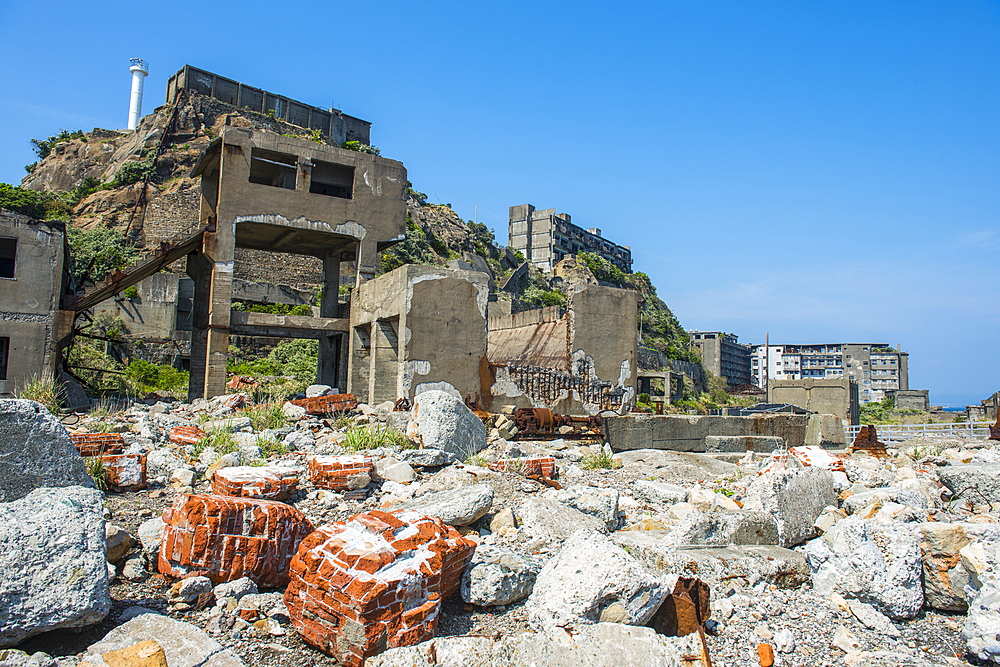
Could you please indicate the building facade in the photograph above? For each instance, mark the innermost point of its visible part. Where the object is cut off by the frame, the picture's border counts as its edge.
(722, 354)
(876, 367)
(545, 237)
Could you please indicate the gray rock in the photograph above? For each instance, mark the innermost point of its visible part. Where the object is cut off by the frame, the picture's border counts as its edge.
(189, 589)
(184, 644)
(456, 507)
(151, 535)
(299, 441)
(399, 472)
(875, 563)
(236, 589)
(722, 527)
(658, 492)
(15, 658)
(442, 421)
(314, 390)
(35, 451)
(982, 624)
(498, 576)
(872, 619)
(600, 503)
(183, 477)
(977, 483)
(597, 645)
(550, 522)
(589, 574)
(425, 458)
(795, 498)
(54, 569)
(162, 462)
(718, 566)
(134, 569)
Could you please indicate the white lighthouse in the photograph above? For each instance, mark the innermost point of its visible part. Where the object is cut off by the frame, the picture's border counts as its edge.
(139, 69)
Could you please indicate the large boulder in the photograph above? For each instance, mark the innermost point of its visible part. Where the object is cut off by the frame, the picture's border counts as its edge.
(184, 644)
(456, 507)
(548, 521)
(595, 645)
(982, 624)
(52, 558)
(876, 563)
(945, 577)
(654, 492)
(442, 421)
(795, 498)
(600, 503)
(724, 527)
(35, 451)
(978, 483)
(590, 580)
(498, 576)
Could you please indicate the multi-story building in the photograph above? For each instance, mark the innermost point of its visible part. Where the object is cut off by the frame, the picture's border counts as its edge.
(545, 237)
(876, 367)
(722, 354)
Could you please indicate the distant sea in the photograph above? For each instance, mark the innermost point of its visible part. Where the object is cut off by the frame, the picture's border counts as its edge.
(956, 402)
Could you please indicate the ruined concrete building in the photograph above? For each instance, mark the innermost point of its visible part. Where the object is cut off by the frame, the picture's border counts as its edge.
(546, 237)
(34, 274)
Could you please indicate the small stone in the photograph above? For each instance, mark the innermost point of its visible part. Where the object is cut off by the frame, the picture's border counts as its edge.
(358, 482)
(784, 641)
(503, 519)
(614, 613)
(765, 654)
(845, 640)
(763, 632)
(399, 472)
(117, 542)
(134, 570)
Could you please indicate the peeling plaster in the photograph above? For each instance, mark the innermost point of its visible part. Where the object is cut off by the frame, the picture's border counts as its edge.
(224, 267)
(411, 368)
(349, 228)
(376, 188)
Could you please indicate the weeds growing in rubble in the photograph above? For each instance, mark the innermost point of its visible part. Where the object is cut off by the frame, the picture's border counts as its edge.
(97, 472)
(266, 415)
(372, 436)
(220, 439)
(270, 447)
(478, 459)
(595, 461)
(44, 390)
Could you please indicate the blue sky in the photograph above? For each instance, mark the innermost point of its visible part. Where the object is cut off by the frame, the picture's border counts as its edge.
(823, 172)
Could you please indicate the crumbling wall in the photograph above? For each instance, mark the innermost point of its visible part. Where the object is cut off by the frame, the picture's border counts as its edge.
(688, 433)
(418, 328)
(581, 362)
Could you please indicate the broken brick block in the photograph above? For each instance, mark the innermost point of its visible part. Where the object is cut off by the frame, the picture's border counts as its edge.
(96, 444)
(374, 582)
(811, 455)
(225, 538)
(544, 466)
(264, 482)
(326, 405)
(124, 472)
(335, 472)
(186, 435)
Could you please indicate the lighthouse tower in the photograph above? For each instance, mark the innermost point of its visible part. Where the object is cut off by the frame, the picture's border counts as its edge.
(139, 69)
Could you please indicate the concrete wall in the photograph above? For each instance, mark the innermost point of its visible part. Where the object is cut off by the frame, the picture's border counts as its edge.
(834, 397)
(581, 363)
(418, 328)
(152, 313)
(687, 433)
(29, 300)
(912, 399)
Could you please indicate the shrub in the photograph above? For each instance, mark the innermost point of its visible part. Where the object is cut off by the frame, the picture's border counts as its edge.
(540, 297)
(43, 147)
(135, 171)
(108, 249)
(43, 390)
(97, 472)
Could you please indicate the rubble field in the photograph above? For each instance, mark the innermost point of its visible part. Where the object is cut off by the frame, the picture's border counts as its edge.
(337, 539)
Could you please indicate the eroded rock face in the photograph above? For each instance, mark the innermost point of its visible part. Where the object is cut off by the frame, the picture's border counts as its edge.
(795, 498)
(53, 562)
(225, 538)
(588, 575)
(456, 507)
(374, 582)
(442, 421)
(35, 451)
(498, 576)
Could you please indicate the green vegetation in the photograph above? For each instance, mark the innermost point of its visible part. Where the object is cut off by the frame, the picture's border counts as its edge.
(37, 205)
(414, 249)
(145, 377)
(293, 360)
(45, 391)
(361, 148)
(266, 415)
(270, 447)
(135, 171)
(43, 147)
(103, 249)
(543, 297)
(131, 292)
(274, 308)
(478, 459)
(96, 471)
(373, 436)
(220, 439)
(596, 461)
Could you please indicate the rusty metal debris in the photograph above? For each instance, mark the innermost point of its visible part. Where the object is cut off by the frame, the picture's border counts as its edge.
(685, 611)
(547, 386)
(542, 421)
(867, 441)
(330, 404)
(402, 405)
(472, 402)
(995, 429)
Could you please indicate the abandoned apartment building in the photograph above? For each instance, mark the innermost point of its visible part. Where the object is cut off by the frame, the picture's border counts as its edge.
(545, 237)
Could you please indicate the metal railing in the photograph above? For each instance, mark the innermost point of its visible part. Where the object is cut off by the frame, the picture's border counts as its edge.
(900, 432)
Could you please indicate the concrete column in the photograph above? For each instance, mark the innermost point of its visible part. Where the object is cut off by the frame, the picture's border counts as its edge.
(199, 269)
(329, 306)
(366, 257)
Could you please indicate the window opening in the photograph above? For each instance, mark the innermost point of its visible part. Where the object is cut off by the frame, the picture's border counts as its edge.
(8, 256)
(332, 180)
(272, 168)
(4, 348)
